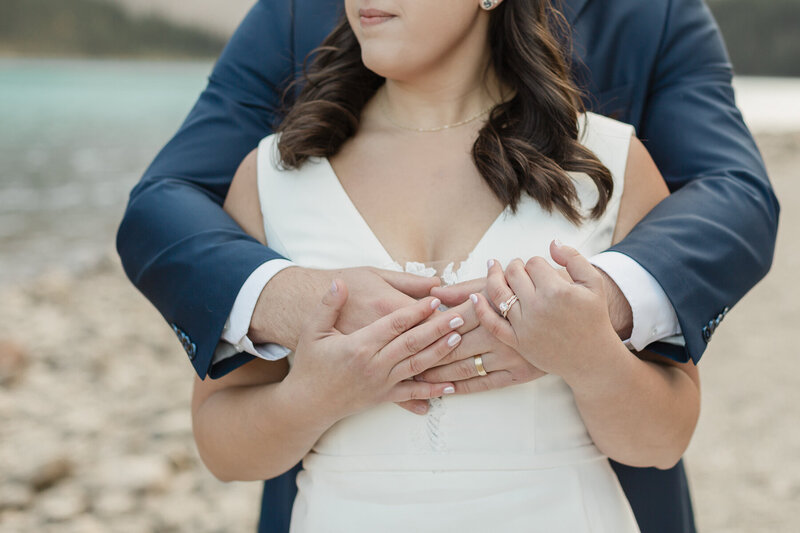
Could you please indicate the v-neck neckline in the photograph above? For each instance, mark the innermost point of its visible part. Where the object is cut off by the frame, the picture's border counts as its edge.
(359, 219)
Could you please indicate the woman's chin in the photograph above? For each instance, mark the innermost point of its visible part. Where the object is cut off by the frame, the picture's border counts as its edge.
(389, 66)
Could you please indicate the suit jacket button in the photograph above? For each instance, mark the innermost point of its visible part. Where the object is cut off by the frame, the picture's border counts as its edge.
(192, 351)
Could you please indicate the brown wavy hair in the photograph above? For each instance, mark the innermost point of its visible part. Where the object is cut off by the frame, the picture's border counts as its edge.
(528, 143)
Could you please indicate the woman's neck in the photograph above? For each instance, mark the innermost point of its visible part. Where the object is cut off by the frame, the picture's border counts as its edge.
(446, 95)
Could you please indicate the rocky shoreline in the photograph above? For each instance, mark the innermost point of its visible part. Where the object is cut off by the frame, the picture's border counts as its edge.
(95, 429)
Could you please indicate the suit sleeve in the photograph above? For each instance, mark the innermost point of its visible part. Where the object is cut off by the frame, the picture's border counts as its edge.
(177, 245)
(716, 231)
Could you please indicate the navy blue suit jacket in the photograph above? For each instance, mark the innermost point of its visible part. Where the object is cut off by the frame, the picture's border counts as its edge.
(658, 64)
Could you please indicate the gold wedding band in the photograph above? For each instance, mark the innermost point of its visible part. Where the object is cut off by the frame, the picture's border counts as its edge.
(505, 307)
(479, 365)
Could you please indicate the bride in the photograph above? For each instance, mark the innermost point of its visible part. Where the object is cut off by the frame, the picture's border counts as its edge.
(448, 133)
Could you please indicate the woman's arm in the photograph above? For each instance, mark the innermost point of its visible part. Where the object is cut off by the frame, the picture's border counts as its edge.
(657, 400)
(261, 419)
(640, 411)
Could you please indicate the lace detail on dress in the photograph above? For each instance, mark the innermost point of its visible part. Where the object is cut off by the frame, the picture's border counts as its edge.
(434, 434)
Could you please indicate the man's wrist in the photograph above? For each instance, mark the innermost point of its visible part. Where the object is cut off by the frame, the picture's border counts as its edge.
(283, 305)
(619, 309)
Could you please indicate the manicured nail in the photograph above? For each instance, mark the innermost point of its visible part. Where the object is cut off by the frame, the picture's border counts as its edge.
(558, 242)
(454, 339)
(474, 298)
(334, 288)
(449, 390)
(457, 322)
(435, 303)
(421, 410)
(490, 263)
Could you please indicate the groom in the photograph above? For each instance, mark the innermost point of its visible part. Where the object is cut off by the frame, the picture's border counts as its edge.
(657, 64)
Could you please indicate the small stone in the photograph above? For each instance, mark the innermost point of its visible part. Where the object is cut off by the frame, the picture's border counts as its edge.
(110, 504)
(60, 504)
(50, 473)
(134, 474)
(15, 496)
(13, 363)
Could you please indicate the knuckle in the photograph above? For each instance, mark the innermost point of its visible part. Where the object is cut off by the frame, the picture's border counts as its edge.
(397, 324)
(498, 293)
(411, 343)
(415, 365)
(466, 371)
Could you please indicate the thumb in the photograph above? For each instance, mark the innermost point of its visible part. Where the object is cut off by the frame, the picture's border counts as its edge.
(578, 267)
(332, 303)
(412, 284)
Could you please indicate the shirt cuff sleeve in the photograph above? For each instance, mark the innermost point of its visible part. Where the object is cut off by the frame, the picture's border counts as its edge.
(654, 318)
(234, 335)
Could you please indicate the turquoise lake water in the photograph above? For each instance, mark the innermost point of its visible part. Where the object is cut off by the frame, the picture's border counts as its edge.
(75, 136)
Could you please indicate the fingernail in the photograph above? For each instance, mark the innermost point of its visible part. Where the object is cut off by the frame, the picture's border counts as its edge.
(490, 263)
(449, 390)
(422, 409)
(454, 339)
(435, 303)
(334, 288)
(457, 322)
(474, 298)
(558, 242)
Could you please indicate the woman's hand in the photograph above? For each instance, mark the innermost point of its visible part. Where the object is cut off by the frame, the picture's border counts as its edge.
(558, 325)
(504, 365)
(345, 374)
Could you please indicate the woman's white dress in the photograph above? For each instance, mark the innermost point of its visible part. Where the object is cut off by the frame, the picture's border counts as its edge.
(513, 460)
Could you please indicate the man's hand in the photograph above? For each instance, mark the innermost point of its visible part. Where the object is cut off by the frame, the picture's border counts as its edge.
(285, 304)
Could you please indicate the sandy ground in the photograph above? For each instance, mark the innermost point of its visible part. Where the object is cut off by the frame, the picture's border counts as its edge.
(94, 406)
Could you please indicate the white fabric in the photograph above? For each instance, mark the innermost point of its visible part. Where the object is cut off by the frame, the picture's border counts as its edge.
(512, 460)
(234, 333)
(654, 318)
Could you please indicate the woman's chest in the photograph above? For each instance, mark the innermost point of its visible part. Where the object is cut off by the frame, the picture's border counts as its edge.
(432, 205)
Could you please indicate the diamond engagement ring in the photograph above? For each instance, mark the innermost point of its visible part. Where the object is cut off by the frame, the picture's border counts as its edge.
(505, 307)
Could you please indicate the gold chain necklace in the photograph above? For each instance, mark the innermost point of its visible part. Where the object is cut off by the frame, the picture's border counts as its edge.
(437, 128)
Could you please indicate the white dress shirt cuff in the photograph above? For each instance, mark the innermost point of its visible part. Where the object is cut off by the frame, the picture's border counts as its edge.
(654, 318)
(234, 335)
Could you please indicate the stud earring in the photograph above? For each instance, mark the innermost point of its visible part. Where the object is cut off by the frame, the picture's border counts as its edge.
(487, 4)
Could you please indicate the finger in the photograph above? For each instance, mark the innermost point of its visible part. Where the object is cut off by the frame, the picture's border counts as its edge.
(498, 290)
(579, 268)
(413, 285)
(384, 330)
(519, 283)
(420, 361)
(418, 407)
(459, 293)
(332, 303)
(419, 390)
(459, 370)
(543, 275)
(467, 312)
(494, 323)
(491, 381)
(474, 342)
(420, 337)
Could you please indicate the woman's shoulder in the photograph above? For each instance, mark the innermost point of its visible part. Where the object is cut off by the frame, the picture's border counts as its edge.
(592, 127)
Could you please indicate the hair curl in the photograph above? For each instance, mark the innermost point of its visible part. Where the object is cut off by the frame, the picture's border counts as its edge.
(528, 143)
